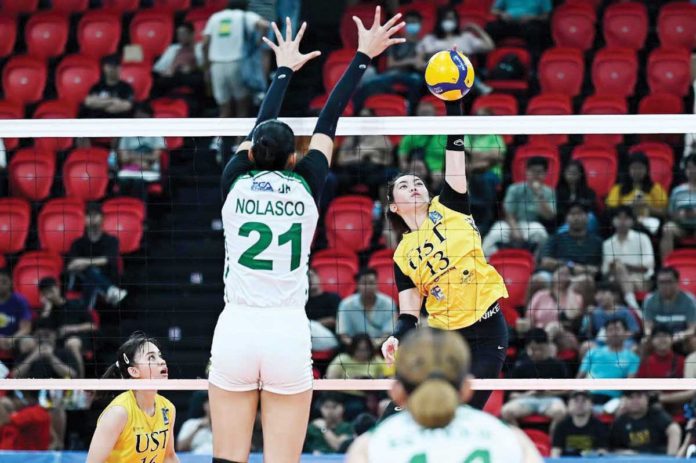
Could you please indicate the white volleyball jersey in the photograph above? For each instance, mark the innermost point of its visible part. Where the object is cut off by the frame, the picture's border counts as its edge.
(269, 219)
(472, 437)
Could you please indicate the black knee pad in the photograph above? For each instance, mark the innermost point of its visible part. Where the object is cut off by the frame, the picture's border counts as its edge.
(222, 460)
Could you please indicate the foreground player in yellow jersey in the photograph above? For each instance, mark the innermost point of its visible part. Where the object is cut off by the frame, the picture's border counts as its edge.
(137, 426)
(439, 259)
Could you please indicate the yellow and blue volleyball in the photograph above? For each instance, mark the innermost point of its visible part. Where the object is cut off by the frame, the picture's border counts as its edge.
(449, 75)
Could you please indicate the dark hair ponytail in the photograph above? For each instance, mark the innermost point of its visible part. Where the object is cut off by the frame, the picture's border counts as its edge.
(125, 356)
(267, 155)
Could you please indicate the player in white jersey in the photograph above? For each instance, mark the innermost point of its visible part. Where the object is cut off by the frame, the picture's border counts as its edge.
(432, 372)
(261, 349)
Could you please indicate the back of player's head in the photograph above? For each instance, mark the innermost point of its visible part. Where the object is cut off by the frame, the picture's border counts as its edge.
(431, 366)
(272, 143)
(125, 357)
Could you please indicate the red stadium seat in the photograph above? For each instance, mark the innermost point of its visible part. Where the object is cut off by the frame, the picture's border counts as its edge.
(601, 166)
(684, 260)
(387, 105)
(527, 151)
(55, 109)
(348, 223)
(334, 66)
(31, 173)
(46, 34)
(384, 266)
(573, 26)
(661, 161)
(139, 76)
(8, 35)
(317, 103)
(215, 5)
(123, 218)
(171, 107)
(11, 110)
(669, 71)
(501, 104)
(69, 6)
(561, 70)
(494, 405)
(30, 269)
(661, 103)
(474, 14)
(615, 71)
(199, 18)
(516, 267)
(427, 10)
(435, 102)
(336, 270)
(24, 79)
(347, 29)
(626, 25)
(121, 6)
(172, 5)
(86, 173)
(98, 33)
(13, 7)
(514, 85)
(75, 76)
(604, 104)
(541, 440)
(676, 25)
(15, 218)
(153, 31)
(61, 221)
(549, 104)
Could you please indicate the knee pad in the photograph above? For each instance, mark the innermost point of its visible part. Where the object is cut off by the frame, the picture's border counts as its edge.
(222, 460)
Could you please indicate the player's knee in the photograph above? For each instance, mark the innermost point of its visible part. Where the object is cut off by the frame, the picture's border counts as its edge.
(511, 411)
(556, 410)
(73, 343)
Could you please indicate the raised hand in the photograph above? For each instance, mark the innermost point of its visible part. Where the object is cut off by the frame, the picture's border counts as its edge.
(389, 348)
(378, 38)
(287, 52)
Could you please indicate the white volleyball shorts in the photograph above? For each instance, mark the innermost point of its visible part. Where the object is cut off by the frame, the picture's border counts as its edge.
(257, 348)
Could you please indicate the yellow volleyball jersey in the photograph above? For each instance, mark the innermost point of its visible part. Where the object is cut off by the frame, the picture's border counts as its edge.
(145, 438)
(445, 261)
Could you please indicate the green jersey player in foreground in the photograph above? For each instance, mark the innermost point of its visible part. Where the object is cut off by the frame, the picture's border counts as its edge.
(261, 349)
(432, 384)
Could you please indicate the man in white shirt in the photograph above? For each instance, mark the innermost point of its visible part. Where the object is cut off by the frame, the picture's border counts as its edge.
(628, 257)
(223, 55)
(180, 64)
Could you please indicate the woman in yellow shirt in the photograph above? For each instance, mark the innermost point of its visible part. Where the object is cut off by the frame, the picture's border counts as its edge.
(137, 426)
(439, 260)
(647, 198)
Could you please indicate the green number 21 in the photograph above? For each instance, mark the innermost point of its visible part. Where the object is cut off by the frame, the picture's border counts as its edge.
(249, 258)
(477, 456)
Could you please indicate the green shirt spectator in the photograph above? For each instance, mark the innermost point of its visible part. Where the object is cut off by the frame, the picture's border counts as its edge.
(489, 144)
(432, 146)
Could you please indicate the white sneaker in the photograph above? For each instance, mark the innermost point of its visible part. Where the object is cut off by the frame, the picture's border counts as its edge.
(114, 295)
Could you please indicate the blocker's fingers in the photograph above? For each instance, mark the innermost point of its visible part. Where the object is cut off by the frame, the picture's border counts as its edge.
(300, 33)
(276, 31)
(378, 17)
(396, 29)
(359, 23)
(273, 46)
(392, 21)
(288, 29)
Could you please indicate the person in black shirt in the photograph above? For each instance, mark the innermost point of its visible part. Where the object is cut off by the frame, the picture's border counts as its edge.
(538, 363)
(321, 306)
(39, 357)
(93, 261)
(71, 320)
(644, 429)
(580, 433)
(110, 97)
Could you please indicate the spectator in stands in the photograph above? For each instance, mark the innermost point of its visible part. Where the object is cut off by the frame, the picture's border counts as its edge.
(662, 362)
(224, 39)
(577, 248)
(644, 429)
(367, 311)
(321, 306)
(431, 148)
(24, 424)
(93, 261)
(627, 256)
(580, 433)
(526, 205)
(359, 361)
(538, 363)
(180, 64)
(612, 360)
(110, 97)
(608, 307)
(636, 189)
(329, 433)
(41, 359)
(670, 305)
(682, 210)
(405, 66)
(483, 194)
(15, 315)
(139, 159)
(469, 39)
(561, 301)
(527, 19)
(196, 435)
(71, 320)
(572, 187)
(487, 151)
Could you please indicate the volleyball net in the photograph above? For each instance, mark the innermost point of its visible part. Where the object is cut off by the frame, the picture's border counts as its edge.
(157, 184)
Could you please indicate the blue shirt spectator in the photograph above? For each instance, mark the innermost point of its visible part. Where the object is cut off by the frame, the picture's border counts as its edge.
(607, 297)
(15, 315)
(518, 9)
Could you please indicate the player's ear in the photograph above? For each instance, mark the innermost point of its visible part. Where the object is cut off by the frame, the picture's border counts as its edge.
(393, 208)
(465, 390)
(250, 155)
(292, 161)
(398, 394)
(134, 372)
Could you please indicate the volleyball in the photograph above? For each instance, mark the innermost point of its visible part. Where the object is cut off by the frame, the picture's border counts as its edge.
(449, 75)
